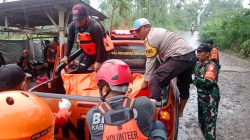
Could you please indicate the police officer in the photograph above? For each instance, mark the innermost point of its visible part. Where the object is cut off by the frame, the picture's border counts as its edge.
(90, 33)
(120, 117)
(178, 60)
(205, 78)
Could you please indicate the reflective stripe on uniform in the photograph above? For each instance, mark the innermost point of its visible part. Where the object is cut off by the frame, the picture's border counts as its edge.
(86, 43)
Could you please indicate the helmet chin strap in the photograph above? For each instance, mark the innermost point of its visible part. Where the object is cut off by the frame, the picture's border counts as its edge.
(103, 97)
(121, 89)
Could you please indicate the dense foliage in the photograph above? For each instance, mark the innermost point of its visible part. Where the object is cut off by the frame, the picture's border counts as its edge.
(170, 14)
(230, 29)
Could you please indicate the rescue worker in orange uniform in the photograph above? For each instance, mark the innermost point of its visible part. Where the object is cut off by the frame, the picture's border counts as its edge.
(89, 32)
(214, 54)
(13, 78)
(56, 45)
(49, 56)
(23, 61)
(25, 64)
(118, 116)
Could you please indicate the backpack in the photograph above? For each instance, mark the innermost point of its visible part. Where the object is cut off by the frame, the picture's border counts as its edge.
(107, 42)
(214, 55)
(120, 123)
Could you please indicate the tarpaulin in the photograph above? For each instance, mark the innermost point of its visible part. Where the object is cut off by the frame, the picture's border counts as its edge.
(12, 49)
(80, 84)
(38, 49)
(85, 85)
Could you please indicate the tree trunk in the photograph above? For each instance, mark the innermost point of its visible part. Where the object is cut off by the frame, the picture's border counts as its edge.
(111, 20)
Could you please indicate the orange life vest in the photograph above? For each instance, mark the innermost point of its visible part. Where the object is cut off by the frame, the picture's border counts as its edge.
(57, 59)
(51, 54)
(120, 123)
(214, 54)
(86, 43)
(55, 45)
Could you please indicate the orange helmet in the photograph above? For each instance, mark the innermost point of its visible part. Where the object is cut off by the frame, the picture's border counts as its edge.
(25, 51)
(25, 116)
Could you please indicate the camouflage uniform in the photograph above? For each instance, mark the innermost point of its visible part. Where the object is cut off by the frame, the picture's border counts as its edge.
(206, 77)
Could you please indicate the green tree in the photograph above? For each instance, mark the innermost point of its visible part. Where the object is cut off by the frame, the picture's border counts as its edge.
(170, 14)
(122, 6)
(230, 30)
(215, 6)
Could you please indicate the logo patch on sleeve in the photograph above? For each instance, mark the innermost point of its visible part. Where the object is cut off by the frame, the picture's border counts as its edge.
(97, 122)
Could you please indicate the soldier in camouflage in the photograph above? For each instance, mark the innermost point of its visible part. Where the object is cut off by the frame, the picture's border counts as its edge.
(205, 78)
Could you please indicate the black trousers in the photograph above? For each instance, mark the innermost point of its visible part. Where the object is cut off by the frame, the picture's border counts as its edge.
(85, 62)
(180, 67)
(31, 71)
(50, 68)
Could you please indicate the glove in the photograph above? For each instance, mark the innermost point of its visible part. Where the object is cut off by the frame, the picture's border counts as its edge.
(65, 103)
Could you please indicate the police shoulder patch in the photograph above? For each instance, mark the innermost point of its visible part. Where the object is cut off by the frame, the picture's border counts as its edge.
(150, 51)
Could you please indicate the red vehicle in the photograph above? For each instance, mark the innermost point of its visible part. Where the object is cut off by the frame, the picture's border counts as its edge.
(127, 48)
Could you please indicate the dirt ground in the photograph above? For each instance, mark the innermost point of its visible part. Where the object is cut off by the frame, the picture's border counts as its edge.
(234, 108)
